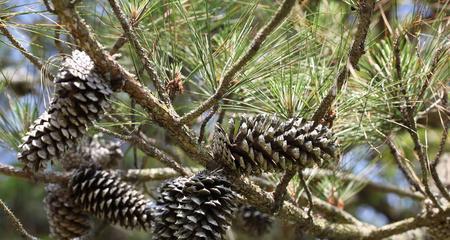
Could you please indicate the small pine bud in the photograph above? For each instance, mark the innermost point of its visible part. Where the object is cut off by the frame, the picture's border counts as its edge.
(66, 219)
(104, 195)
(265, 143)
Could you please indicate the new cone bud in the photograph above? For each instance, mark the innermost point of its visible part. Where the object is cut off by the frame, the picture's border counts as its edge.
(66, 219)
(267, 144)
(105, 196)
(80, 99)
(200, 207)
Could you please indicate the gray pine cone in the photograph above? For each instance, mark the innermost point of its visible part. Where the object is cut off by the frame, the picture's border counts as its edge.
(104, 195)
(200, 207)
(252, 221)
(80, 98)
(66, 220)
(265, 143)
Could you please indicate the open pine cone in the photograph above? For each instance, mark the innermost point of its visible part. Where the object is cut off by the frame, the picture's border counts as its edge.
(200, 207)
(66, 219)
(104, 195)
(265, 143)
(80, 99)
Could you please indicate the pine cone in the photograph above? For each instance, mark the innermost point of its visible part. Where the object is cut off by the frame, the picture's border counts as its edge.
(104, 195)
(80, 98)
(66, 220)
(265, 144)
(253, 221)
(200, 207)
(95, 150)
(165, 211)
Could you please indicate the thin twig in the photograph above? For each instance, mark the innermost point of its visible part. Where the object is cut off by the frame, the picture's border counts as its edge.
(308, 194)
(221, 116)
(433, 165)
(205, 122)
(33, 59)
(357, 50)
(140, 50)
(118, 44)
(331, 212)
(281, 14)
(280, 190)
(15, 221)
(145, 146)
(434, 65)
(422, 156)
(409, 174)
(46, 177)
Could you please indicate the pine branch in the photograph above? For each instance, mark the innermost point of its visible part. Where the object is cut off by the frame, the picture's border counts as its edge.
(47, 177)
(331, 212)
(422, 156)
(124, 80)
(280, 190)
(225, 83)
(15, 221)
(357, 50)
(187, 141)
(140, 50)
(205, 122)
(140, 142)
(33, 59)
(409, 174)
(407, 224)
(118, 44)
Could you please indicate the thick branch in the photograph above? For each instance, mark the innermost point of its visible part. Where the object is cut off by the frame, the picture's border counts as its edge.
(357, 50)
(407, 224)
(227, 78)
